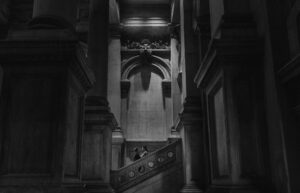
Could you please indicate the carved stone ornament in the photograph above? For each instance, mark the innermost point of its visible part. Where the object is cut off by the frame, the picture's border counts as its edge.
(145, 44)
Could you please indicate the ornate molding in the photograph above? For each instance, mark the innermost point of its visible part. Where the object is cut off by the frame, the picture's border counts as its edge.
(146, 58)
(145, 44)
(67, 54)
(191, 112)
(97, 112)
(50, 22)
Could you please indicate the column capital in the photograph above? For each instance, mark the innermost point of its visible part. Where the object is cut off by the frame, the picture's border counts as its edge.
(117, 135)
(50, 22)
(97, 112)
(191, 112)
(191, 188)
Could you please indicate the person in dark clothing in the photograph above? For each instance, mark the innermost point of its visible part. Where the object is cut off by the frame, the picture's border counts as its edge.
(145, 151)
(136, 155)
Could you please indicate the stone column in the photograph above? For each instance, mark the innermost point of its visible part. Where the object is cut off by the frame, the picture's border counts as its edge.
(190, 113)
(231, 97)
(114, 71)
(192, 139)
(42, 109)
(97, 144)
(221, 9)
(114, 92)
(202, 27)
(189, 50)
(99, 121)
(64, 12)
(176, 93)
(98, 46)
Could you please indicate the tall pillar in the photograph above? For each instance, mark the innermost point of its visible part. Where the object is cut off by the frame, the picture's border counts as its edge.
(99, 121)
(230, 79)
(97, 144)
(226, 9)
(114, 92)
(62, 11)
(202, 27)
(192, 139)
(114, 71)
(41, 111)
(189, 50)
(176, 93)
(98, 45)
(190, 114)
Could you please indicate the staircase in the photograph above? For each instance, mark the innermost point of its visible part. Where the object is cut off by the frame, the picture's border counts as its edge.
(159, 171)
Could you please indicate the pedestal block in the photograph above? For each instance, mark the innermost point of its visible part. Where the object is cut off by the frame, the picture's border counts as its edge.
(193, 144)
(97, 144)
(41, 114)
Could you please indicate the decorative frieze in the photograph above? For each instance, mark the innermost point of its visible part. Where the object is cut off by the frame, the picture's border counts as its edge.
(145, 44)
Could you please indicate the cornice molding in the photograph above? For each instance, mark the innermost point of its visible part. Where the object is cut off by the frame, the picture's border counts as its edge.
(97, 113)
(62, 54)
(191, 113)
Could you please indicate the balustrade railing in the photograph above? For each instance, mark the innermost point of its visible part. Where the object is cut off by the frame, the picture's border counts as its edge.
(146, 167)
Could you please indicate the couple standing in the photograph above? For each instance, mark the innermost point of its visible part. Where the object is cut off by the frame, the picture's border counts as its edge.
(138, 155)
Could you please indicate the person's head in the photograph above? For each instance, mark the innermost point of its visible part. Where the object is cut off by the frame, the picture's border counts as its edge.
(145, 148)
(135, 149)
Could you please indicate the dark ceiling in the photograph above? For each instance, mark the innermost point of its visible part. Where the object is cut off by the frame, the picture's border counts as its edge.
(145, 2)
(145, 19)
(144, 9)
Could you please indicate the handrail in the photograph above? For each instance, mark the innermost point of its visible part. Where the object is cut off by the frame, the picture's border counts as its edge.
(145, 167)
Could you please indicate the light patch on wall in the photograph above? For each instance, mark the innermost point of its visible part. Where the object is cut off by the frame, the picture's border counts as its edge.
(145, 22)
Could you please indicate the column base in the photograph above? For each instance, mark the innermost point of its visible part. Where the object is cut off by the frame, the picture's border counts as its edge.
(99, 188)
(191, 188)
(232, 189)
